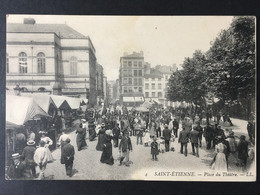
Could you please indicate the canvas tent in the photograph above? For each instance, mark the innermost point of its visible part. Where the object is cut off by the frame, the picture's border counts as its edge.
(73, 102)
(20, 109)
(44, 101)
(60, 102)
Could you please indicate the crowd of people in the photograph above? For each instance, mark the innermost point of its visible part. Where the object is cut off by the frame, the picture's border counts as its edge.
(118, 128)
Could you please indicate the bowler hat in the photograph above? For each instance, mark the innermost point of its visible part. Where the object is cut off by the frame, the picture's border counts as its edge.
(30, 143)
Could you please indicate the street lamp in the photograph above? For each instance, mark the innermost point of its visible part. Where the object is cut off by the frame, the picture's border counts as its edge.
(17, 90)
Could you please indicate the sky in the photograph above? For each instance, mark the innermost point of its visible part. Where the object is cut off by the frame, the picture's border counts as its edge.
(164, 40)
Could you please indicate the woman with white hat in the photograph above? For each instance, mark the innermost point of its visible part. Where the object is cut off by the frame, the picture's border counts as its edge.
(48, 142)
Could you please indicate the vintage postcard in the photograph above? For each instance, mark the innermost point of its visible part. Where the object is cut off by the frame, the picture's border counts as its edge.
(163, 98)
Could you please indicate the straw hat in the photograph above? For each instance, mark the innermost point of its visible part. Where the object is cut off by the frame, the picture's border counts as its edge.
(103, 125)
(30, 143)
(15, 156)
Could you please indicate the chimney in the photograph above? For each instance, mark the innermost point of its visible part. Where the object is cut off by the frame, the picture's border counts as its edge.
(29, 21)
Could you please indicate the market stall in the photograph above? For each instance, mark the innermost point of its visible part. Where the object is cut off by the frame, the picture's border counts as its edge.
(19, 110)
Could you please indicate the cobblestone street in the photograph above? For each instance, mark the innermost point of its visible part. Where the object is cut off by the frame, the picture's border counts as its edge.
(87, 164)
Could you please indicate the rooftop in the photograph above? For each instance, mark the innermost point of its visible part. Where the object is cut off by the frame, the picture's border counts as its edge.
(154, 73)
(62, 30)
(165, 69)
(133, 55)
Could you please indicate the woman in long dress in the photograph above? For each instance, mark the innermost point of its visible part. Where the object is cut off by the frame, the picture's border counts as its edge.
(152, 130)
(220, 163)
(48, 142)
(107, 156)
(101, 137)
(81, 136)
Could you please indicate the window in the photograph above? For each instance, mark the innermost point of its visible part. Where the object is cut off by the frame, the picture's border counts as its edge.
(41, 62)
(140, 89)
(140, 64)
(125, 81)
(166, 77)
(153, 94)
(140, 81)
(146, 94)
(130, 81)
(73, 65)
(130, 90)
(146, 85)
(130, 73)
(135, 64)
(140, 72)
(159, 94)
(135, 81)
(129, 64)
(159, 86)
(22, 62)
(146, 79)
(135, 72)
(124, 72)
(153, 79)
(159, 79)
(125, 89)
(7, 63)
(125, 64)
(153, 85)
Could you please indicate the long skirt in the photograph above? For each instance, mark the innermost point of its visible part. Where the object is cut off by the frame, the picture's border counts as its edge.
(106, 156)
(220, 163)
(81, 142)
(49, 155)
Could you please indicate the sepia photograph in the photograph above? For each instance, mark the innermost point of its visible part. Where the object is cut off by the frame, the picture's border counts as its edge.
(102, 97)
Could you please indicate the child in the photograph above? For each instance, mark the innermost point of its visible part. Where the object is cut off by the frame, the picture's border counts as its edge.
(161, 144)
(171, 143)
(154, 149)
(146, 138)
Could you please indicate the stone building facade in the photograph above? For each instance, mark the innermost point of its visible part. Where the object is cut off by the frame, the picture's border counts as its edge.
(50, 57)
(131, 74)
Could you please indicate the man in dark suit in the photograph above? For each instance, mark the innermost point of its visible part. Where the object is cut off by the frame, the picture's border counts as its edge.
(175, 127)
(194, 138)
(68, 157)
(125, 146)
(167, 137)
(200, 130)
(184, 139)
(27, 155)
(209, 135)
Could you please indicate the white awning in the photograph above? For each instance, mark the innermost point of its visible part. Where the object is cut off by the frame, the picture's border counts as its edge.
(20, 109)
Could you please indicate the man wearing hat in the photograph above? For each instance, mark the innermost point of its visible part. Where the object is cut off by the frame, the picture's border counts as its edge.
(28, 153)
(67, 157)
(242, 149)
(17, 168)
(116, 133)
(167, 137)
(125, 147)
(199, 129)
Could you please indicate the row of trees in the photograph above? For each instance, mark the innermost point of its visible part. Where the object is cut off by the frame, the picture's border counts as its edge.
(226, 71)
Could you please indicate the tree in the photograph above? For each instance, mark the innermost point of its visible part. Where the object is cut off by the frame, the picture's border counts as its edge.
(188, 84)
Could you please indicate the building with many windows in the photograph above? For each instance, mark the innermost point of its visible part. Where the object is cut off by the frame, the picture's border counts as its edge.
(50, 57)
(155, 84)
(131, 74)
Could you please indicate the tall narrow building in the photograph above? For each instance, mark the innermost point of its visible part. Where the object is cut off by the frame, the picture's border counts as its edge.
(131, 74)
